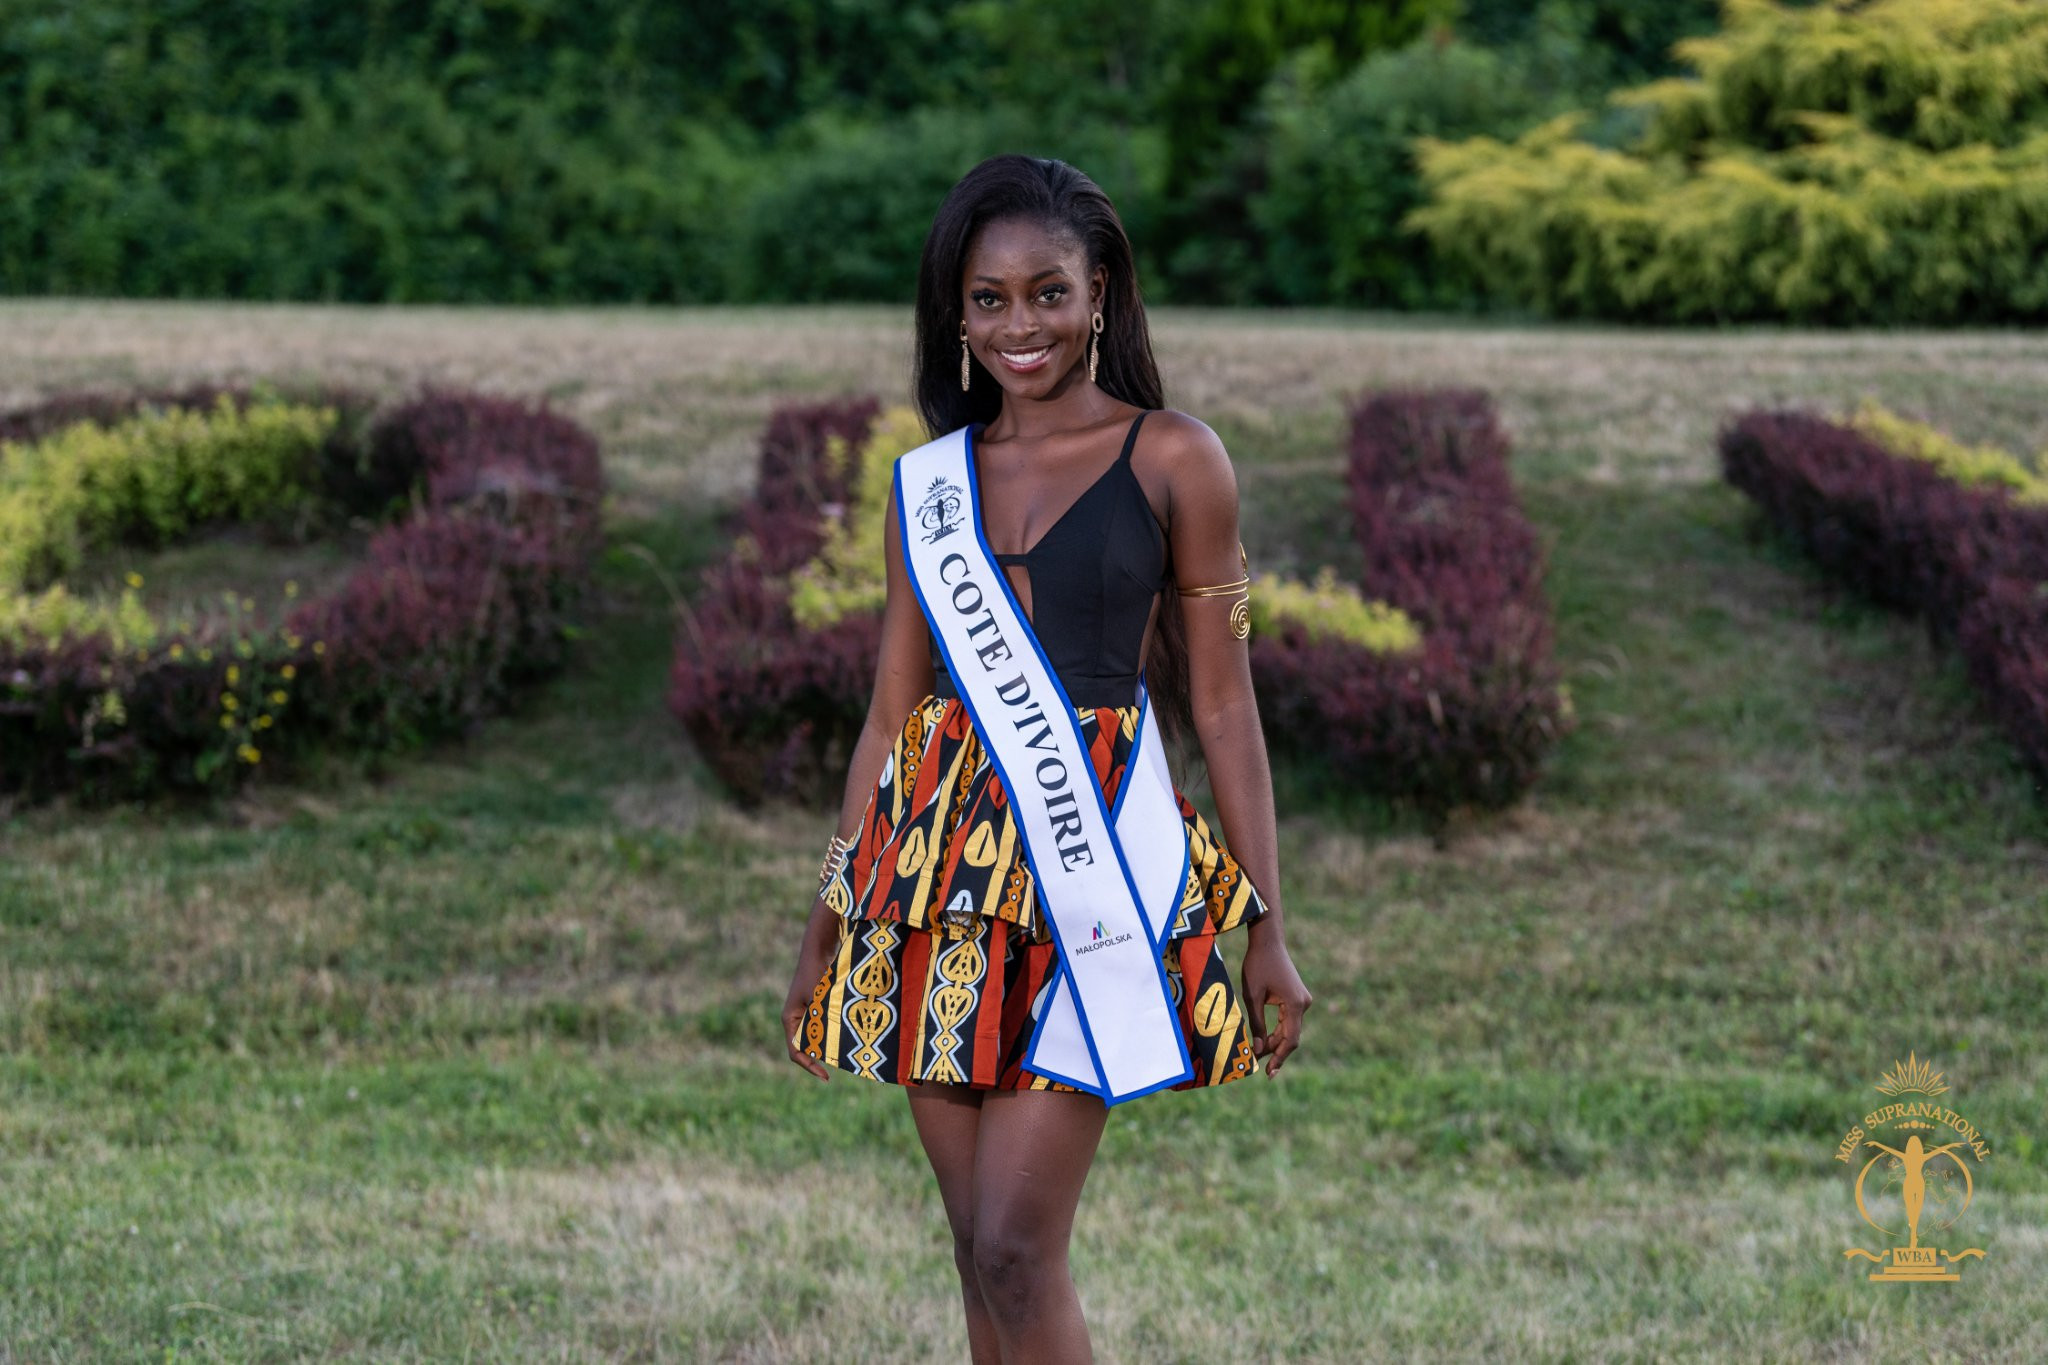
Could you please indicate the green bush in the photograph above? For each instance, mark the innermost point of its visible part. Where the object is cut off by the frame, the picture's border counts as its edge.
(1887, 163)
(45, 618)
(1327, 608)
(532, 151)
(151, 479)
(846, 212)
(1222, 58)
(1340, 174)
(1978, 466)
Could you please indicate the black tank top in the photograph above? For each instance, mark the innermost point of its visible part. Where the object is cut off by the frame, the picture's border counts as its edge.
(1094, 575)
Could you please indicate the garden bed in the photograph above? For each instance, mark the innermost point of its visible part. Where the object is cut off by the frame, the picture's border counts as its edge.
(482, 523)
(1430, 681)
(1915, 522)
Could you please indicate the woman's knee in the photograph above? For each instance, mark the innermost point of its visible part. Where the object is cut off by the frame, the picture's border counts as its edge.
(1013, 1265)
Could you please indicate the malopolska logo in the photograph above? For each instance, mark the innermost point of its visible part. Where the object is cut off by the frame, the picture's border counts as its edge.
(1912, 1187)
(1100, 937)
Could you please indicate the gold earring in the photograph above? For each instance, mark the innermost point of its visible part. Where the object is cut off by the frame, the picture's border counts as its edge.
(963, 355)
(1096, 324)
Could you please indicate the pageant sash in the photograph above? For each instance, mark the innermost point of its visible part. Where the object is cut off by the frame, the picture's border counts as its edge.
(1111, 1028)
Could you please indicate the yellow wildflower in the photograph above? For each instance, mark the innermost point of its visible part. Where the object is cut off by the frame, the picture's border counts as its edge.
(277, 695)
(289, 670)
(134, 579)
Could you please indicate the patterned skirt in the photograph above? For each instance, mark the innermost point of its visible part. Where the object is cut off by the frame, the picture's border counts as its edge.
(945, 957)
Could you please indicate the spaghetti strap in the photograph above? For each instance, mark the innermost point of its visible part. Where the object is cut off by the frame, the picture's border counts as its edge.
(1131, 439)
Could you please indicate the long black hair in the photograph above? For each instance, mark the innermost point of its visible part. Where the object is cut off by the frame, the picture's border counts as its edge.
(1065, 201)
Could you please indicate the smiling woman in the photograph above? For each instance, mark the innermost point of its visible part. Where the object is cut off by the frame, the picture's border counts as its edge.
(1019, 958)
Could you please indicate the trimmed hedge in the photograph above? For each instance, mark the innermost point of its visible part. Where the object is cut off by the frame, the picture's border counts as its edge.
(775, 708)
(1970, 560)
(1444, 540)
(151, 479)
(468, 596)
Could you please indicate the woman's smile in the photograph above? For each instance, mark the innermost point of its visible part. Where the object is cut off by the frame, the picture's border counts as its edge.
(1024, 362)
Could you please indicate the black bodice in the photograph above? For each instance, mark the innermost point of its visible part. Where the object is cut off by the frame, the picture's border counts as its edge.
(1094, 575)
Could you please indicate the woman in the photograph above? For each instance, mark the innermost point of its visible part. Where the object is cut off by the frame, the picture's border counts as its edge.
(929, 960)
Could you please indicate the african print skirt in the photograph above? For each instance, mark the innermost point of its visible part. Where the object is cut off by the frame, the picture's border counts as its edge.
(946, 956)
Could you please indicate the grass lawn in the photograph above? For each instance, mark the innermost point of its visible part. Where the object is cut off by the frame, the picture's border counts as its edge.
(475, 1057)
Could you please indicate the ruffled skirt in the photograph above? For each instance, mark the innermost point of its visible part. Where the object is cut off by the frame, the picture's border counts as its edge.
(945, 957)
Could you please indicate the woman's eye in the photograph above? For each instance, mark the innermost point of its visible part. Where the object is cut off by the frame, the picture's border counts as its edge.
(1055, 290)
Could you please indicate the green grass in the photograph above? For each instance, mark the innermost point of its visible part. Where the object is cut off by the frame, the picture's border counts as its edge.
(474, 1055)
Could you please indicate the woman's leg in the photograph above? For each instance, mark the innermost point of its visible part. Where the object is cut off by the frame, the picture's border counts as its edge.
(947, 1117)
(1032, 1155)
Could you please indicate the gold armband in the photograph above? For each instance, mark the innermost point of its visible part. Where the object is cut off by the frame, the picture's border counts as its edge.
(1240, 610)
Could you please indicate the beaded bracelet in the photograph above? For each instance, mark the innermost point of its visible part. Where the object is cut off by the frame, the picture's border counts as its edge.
(835, 860)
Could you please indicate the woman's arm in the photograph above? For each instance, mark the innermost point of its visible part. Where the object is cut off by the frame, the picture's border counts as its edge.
(903, 675)
(1202, 528)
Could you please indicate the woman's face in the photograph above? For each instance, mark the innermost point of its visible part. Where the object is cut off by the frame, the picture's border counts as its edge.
(1028, 296)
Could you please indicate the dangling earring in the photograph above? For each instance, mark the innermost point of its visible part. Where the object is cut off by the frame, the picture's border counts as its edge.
(963, 355)
(1096, 324)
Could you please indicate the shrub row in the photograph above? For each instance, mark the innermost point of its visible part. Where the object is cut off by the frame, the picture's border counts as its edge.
(467, 596)
(150, 479)
(1969, 559)
(1433, 683)
(476, 594)
(773, 707)
(1468, 719)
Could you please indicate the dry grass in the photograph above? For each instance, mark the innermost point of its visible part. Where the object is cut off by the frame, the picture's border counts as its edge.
(679, 395)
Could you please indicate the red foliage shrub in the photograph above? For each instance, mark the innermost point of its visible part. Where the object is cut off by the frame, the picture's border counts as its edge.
(454, 608)
(1967, 560)
(796, 481)
(775, 709)
(1468, 719)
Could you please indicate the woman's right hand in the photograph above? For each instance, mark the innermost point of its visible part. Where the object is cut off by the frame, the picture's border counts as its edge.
(819, 942)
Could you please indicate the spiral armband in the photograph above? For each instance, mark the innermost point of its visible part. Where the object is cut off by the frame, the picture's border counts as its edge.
(1240, 610)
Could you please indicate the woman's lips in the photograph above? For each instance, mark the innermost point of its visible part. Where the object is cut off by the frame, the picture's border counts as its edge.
(1032, 359)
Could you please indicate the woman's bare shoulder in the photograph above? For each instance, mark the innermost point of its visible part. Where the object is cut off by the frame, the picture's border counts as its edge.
(1186, 456)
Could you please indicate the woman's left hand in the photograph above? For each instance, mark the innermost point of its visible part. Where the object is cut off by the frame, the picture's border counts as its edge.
(1270, 980)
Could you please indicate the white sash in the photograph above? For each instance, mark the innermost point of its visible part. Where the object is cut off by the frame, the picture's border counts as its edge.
(1109, 883)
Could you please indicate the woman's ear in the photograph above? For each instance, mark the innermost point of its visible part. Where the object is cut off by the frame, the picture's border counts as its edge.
(1098, 286)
